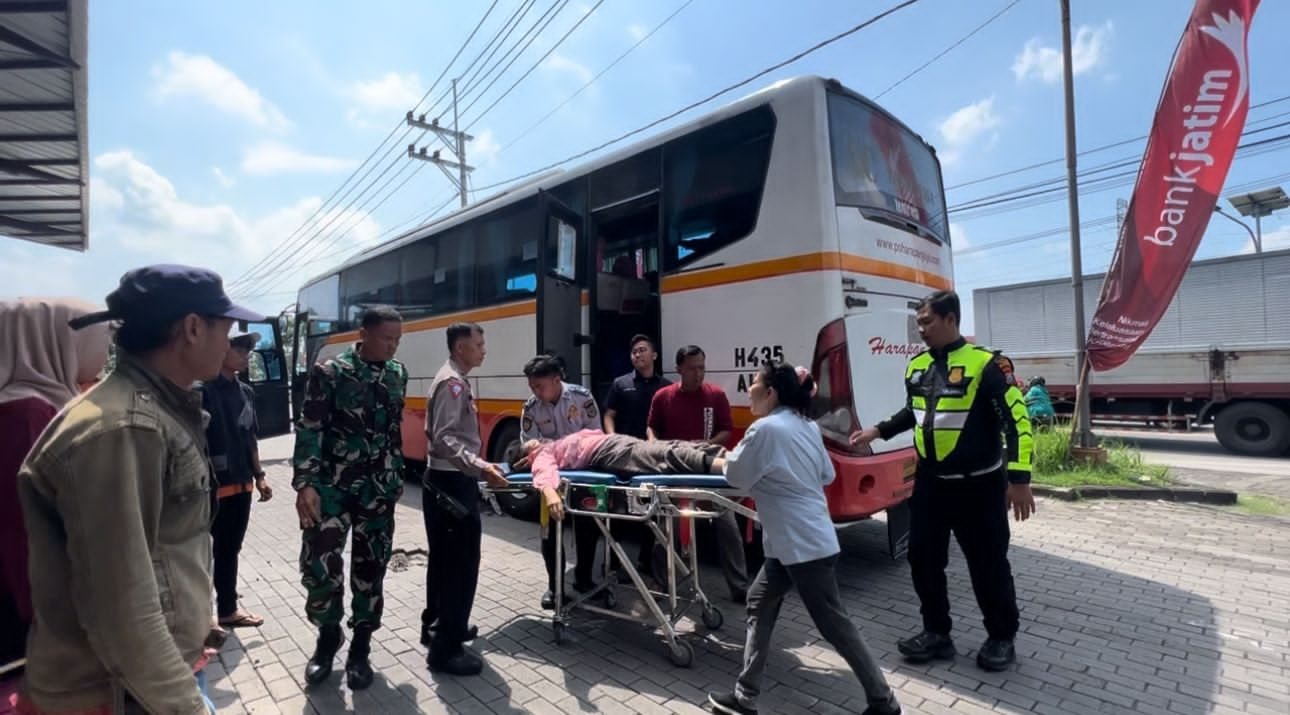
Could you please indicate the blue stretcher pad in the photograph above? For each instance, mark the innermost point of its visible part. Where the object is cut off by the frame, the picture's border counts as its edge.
(583, 478)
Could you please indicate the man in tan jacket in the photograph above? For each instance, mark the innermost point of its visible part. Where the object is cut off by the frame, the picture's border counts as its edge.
(117, 495)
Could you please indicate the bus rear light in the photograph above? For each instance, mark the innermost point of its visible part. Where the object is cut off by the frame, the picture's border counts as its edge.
(834, 405)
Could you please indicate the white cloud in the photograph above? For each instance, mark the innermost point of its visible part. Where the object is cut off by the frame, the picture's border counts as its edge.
(394, 91)
(198, 77)
(224, 179)
(269, 158)
(152, 221)
(958, 236)
(637, 31)
(1089, 49)
(560, 63)
(966, 127)
(483, 150)
(103, 196)
(1272, 241)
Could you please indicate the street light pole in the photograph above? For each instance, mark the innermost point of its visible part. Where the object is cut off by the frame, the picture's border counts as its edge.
(1083, 434)
(1257, 238)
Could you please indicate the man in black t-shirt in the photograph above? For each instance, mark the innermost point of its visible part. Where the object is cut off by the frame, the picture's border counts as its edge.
(628, 401)
(627, 412)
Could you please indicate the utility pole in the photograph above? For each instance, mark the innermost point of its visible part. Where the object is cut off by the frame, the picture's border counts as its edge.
(1083, 434)
(454, 139)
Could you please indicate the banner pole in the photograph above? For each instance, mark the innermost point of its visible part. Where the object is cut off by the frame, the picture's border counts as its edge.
(1082, 436)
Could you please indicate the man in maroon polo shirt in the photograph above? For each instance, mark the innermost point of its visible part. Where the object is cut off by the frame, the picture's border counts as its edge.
(697, 411)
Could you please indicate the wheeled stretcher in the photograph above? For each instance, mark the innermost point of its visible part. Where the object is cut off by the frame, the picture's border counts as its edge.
(659, 502)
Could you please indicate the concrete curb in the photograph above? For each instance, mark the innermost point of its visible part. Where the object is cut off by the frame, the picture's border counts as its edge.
(1220, 497)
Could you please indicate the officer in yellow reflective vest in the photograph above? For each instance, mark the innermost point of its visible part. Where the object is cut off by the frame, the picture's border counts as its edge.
(974, 445)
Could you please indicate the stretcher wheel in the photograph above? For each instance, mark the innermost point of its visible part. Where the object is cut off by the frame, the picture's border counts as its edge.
(713, 618)
(557, 631)
(681, 654)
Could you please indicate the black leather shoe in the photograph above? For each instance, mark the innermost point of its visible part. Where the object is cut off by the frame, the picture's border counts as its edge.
(728, 704)
(996, 655)
(358, 671)
(926, 646)
(463, 662)
(318, 668)
(427, 633)
(891, 707)
(548, 600)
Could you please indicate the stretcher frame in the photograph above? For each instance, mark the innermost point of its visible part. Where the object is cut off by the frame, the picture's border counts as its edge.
(651, 499)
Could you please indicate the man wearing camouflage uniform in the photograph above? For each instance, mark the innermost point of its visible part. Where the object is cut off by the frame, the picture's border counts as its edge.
(558, 409)
(349, 476)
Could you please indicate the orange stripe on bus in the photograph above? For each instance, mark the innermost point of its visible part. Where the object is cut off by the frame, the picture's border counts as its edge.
(826, 261)
(510, 310)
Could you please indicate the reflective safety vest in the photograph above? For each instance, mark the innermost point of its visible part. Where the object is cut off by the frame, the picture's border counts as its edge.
(942, 404)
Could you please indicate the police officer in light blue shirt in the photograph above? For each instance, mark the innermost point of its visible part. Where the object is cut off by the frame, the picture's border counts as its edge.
(781, 462)
(558, 409)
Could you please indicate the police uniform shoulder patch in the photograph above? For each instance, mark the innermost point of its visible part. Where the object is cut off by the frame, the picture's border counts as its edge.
(527, 424)
(456, 387)
(589, 407)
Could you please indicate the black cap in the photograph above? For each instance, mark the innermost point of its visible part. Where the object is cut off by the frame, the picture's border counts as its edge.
(166, 293)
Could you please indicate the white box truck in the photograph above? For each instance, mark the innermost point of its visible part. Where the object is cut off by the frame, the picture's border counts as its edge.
(1220, 355)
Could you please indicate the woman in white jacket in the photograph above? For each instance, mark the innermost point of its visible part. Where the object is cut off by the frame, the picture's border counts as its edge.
(781, 462)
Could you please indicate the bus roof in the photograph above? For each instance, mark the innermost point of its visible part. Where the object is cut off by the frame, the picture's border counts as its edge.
(555, 177)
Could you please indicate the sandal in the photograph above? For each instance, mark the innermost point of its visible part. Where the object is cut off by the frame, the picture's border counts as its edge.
(242, 619)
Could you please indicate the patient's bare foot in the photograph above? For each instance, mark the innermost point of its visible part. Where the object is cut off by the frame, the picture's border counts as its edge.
(718, 465)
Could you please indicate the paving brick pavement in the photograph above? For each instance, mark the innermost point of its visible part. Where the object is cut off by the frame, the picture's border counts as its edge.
(1126, 607)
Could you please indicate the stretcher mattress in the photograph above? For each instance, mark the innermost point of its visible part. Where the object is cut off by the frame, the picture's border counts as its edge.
(595, 479)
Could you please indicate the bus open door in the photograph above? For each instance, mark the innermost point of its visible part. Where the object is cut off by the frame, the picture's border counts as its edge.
(269, 377)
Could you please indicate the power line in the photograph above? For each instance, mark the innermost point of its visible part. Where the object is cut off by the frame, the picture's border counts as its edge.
(1057, 184)
(469, 83)
(537, 64)
(1094, 150)
(709, 98)
(508, 59)
(949, 49)
(593, 80)
(380, 147)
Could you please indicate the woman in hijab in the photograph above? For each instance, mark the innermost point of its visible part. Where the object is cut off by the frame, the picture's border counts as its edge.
(43, 365)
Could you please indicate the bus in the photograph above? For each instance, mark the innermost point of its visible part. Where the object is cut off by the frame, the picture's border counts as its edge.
(802, 222)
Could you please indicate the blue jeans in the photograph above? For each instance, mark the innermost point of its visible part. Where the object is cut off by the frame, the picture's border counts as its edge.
(201, 685)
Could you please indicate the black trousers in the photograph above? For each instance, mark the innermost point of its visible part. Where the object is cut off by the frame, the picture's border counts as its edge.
(452, 569)
(227, 532)
(975, 510)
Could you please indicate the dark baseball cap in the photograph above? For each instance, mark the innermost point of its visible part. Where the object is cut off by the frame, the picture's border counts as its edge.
(166, 293)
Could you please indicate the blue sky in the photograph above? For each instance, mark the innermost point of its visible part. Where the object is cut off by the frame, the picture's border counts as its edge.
(216, 129)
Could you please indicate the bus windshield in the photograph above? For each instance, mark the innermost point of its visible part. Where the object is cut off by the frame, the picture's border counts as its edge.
(884, 169)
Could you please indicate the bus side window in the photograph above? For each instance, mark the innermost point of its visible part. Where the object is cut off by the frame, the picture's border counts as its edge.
(713, 182)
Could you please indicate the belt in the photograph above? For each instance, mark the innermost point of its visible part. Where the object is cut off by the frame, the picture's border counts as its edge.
(980, 472)
(233, 490)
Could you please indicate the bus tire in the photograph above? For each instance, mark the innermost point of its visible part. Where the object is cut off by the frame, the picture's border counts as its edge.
(1257, 429)
(505, 446)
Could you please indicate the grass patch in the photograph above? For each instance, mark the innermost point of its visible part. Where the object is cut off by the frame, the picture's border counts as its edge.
(1261, 505)
(1124, 467)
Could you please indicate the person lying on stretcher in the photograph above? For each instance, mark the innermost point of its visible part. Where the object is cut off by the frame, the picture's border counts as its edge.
(619, 454)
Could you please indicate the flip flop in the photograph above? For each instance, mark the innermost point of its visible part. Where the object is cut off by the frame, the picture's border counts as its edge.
(242, 620)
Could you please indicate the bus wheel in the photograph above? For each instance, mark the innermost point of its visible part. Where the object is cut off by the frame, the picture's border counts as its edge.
(504, 448)
(1254, 428)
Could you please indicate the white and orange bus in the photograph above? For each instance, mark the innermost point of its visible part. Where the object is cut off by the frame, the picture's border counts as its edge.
(801, 222)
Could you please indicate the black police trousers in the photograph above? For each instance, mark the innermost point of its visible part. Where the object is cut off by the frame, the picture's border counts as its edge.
(452, 568)
(975, 510)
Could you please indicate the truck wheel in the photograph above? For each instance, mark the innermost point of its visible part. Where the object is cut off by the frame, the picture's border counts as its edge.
(505, 447)
(1253, 428)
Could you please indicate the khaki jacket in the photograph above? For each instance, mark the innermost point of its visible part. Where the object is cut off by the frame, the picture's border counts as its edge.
(452, 423)
(117, 495)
